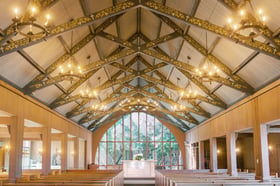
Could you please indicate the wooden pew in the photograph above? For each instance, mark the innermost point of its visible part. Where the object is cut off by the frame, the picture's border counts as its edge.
(79, 177)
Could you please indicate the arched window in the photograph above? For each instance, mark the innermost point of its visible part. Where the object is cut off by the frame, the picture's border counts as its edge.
(139, 133)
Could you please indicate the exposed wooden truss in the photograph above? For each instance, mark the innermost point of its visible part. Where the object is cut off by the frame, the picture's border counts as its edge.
(151, 74)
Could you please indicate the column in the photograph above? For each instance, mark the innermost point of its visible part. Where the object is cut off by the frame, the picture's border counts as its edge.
(213, 155)
(261, 153)
(188, 155)
(76, 152)
(64, 144)
(16, 141)
(46, 153)
(201, 155)
(231, 154)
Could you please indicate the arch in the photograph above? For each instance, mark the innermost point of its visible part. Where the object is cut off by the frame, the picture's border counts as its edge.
(178, 142)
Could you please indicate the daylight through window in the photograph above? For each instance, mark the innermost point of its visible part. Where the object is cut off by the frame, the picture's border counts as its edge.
(139, 133)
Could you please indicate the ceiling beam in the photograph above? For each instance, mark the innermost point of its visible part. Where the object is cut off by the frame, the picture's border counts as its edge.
(75, 23)
(206, 25)
(202, 50)
(267, 33)
(76, 48)
(9, 32)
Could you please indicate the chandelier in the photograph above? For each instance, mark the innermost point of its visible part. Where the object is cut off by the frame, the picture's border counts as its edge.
(179, 108)
(248, 21)
(71, 68)
(208, 70)
(20, 24)
(98, 107)
(87, 92)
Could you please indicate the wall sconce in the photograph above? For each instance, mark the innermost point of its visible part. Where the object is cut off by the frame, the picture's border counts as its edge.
(7, 148)
(270, 148)
(59, 151)
(40, 151)
(237, 150)
(218, 151)
(73, 152)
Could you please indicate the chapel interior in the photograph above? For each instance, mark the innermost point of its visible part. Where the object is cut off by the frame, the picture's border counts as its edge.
(140, 92)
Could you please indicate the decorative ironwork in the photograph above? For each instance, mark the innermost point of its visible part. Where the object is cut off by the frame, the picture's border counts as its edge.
(190, 20)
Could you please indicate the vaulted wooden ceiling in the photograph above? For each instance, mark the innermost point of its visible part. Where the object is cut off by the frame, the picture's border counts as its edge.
(138, 55)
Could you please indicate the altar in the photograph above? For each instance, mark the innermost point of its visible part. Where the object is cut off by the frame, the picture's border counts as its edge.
(136, 168)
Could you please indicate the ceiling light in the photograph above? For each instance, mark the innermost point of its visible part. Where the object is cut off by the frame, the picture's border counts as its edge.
(242, 23)
(20, 24)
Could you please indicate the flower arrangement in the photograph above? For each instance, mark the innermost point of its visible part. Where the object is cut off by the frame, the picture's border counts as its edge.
(138, 157)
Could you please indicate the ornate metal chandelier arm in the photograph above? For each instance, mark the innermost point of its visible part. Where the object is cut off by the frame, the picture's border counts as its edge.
(9, 32)
(206, 25)
(73, 50)
(267, 33)
(202, 50)
(78, 22)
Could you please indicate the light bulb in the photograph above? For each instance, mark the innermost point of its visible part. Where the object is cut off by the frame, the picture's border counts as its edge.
(229, 20)
(242, 12)
(48, 17)
(263, 18)
(235, 27)
(260, 11)
(16, 11)
(33, 10)
(210, 73)
(205, 67)
(182, 93)
(196, 70)
(69, 65)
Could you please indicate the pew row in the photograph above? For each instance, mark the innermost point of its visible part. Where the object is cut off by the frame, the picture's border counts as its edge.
(181, 178)
(71, 178)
